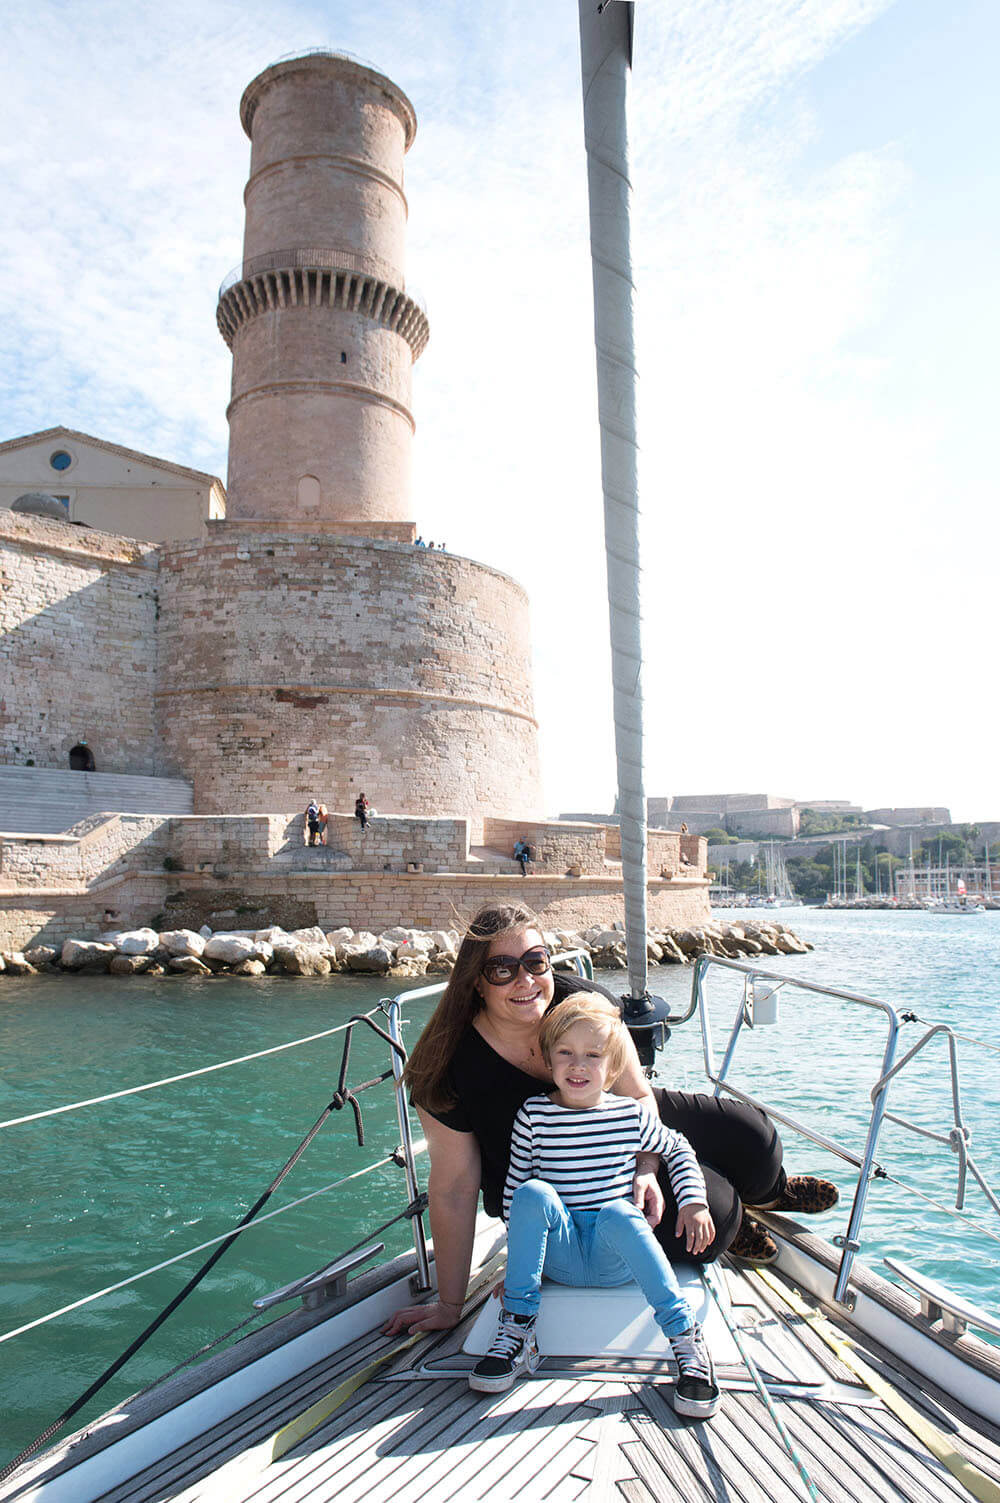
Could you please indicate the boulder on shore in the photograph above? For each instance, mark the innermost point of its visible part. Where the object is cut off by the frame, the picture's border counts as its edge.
(130, 965)
(133, 941)
(372, 960)
(42, 957)
(86, 955)
(15, 963)
(232, 948)
(415, 965)
(250, 968)
(303, 959)
(182, 942)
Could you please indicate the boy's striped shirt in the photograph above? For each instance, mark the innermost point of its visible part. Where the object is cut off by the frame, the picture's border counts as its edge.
(588, 1155)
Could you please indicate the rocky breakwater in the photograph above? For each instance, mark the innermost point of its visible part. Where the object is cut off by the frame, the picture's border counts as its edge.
(397, 952)
(743, 941)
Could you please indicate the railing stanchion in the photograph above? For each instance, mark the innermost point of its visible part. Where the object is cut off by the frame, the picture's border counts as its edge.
(879, 1097)
(406, 1142)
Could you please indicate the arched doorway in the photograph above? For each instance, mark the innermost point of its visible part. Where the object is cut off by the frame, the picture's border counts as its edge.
(81, 758)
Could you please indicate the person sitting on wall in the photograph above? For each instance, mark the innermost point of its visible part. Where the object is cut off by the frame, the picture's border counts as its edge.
(311, 823)
(324, 820)
(522, 853)
(361, 811)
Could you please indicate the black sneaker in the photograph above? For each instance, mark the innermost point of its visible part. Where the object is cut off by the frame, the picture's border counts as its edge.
(696, 1393)
(514, 1353)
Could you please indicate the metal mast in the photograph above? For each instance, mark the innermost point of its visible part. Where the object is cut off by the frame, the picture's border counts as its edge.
(606, 60)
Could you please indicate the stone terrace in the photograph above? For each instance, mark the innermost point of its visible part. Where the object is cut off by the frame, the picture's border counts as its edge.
(411, 871)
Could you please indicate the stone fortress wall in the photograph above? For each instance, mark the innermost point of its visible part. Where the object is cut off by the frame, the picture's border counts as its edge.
(296, 665)
(77, 645)
(182, 870)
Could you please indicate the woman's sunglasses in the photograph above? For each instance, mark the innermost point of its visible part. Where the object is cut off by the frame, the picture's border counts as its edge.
(501, 969)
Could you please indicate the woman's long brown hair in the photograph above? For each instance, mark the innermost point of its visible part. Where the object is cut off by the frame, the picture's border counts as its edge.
(432, 1054)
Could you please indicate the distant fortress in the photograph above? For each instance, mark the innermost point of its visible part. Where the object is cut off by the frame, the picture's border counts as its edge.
(286, 639)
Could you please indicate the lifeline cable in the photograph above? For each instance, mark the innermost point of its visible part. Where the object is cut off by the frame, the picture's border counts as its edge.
(341, 1097)
(88, 1299)
(75, 1106)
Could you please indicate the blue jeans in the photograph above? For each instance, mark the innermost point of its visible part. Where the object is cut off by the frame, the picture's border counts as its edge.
(608, 1247)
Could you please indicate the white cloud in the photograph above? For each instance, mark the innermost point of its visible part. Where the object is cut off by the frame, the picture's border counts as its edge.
(793, 484)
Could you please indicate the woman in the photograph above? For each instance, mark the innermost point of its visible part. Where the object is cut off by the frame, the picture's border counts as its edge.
(478, 1059)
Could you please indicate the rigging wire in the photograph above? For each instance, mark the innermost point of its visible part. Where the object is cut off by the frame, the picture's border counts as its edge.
(938, 1205)
(340, 1099)
(202, 1246)
(75, 1106)
(218, 1340)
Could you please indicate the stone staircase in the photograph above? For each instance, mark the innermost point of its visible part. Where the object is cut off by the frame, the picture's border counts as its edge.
(485, 859)
(46, 801)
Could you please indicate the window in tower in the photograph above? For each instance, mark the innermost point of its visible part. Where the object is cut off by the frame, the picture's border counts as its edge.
(308, 493)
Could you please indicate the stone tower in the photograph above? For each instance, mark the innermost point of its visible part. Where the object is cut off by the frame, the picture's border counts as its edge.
(322, 329)
(307, 647)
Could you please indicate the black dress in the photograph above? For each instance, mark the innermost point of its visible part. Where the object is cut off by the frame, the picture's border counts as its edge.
(738, 1148)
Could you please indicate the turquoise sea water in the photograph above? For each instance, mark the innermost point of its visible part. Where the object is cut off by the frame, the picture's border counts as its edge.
(91, 1197)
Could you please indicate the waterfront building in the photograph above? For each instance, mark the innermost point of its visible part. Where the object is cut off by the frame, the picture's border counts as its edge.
(104, 485)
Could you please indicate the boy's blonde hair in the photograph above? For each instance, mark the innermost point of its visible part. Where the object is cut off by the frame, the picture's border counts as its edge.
(587, 1007)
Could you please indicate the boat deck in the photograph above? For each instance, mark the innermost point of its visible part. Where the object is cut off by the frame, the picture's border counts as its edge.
(405, 1435)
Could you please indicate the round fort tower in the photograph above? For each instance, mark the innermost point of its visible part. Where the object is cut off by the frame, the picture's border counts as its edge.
(307, 647)
(322, 329)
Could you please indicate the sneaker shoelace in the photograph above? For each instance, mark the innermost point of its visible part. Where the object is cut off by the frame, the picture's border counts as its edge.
(509, 1338)
(692, 1355)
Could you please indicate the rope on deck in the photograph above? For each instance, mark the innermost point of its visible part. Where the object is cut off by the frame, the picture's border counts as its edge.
(975, 1482)
(228, 1483)
(711, 1279)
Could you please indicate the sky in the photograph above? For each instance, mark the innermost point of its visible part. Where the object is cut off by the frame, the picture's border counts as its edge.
(815, 220)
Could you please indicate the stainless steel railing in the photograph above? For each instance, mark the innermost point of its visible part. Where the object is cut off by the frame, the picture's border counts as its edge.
(957, 1137)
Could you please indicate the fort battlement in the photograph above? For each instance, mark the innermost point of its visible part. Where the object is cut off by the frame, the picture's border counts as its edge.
(405, 870)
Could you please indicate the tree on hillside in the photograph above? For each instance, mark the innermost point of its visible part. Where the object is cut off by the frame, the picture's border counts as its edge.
(949, 847)
(827, 821)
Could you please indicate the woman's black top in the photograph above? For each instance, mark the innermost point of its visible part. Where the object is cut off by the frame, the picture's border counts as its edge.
(489, 1092)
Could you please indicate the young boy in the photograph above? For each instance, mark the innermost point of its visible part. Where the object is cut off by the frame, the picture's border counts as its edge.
(568, 1202)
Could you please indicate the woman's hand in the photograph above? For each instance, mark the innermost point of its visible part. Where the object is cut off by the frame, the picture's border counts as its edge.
(648, 1196)
(437, 1316)
(695, 1225)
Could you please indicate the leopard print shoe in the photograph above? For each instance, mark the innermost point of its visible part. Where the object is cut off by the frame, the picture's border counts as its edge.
(753, 1244)
(804, 1195)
